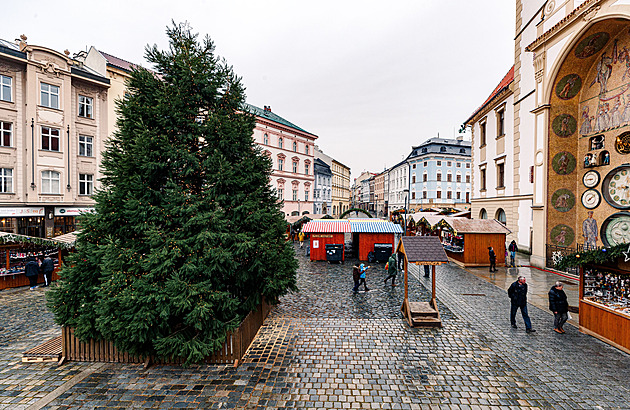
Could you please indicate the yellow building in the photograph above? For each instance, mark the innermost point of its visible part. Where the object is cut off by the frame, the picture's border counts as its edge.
(340, 188)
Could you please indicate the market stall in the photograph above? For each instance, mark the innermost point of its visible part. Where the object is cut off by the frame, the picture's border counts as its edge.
(374, 236)
(16, 249)
(466, 241)
(421, 250)
(327, 233)
(605, 303)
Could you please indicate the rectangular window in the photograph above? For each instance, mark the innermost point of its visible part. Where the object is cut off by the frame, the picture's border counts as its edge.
(449, 163)
(459, 195)
(49, 96)
(483, 179)
(439, 194)
(467, 196)
(306, 169)
(306, 195)
(467, 165)
(458, 178)
(413, 166)
(6, 134)
(281, 194)
(280, 164)
(50, 182)
(6, 180)
(425, 177)
(449, 195)
(413, 195)
(500, 123)
(413, 179)
(468, 179)
(439, 177)
(482, 134)
(50, 139)
(295, 193)
(439, 163)
(85, 106)
(425, 163)
(86, 184)
(295, 167)
(449, 177)
(85, 146)
(424, 194)
(458, 164)
(6, 84)
(500, 175)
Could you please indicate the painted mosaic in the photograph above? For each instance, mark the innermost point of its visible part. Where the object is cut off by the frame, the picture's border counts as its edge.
(591, 44)
(563, 200)
(564, 125)
(562, 235)
(569, 86)
(563, 163)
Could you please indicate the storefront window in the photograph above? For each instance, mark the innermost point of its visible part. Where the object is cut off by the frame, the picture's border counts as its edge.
(33, 226)
(64, 224)
(7, 225)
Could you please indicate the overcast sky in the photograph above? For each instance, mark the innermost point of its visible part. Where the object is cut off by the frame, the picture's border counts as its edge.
(369, 78)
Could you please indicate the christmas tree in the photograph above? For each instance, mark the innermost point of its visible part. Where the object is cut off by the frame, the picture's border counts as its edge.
(187, 235)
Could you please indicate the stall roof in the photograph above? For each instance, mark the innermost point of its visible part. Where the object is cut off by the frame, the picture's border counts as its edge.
(424, 250)
(465, 225)
(327, 226)
(7, 237)
(68, 238)
(374, 226)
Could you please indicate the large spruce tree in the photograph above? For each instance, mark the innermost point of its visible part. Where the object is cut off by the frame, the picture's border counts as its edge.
(187, 235)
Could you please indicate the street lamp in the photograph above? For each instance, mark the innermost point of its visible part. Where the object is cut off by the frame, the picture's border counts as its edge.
(406, 191)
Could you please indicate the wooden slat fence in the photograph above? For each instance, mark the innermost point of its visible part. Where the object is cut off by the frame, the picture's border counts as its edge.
(236, 344)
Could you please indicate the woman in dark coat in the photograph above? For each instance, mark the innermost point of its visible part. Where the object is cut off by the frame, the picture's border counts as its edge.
(559, 306)
(31, 269)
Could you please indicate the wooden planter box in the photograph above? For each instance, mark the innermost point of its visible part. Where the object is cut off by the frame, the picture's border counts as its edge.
(236, 344)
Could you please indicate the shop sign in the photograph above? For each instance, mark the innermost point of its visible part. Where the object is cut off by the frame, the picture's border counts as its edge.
(22, 212)
(59, 211)
(322, 236)
(315, 244)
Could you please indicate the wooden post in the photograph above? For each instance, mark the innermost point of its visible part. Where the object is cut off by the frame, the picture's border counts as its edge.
(406, 264)
(433, 287)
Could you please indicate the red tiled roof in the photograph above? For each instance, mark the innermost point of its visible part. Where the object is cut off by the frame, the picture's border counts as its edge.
(509, 77)
(119, 62)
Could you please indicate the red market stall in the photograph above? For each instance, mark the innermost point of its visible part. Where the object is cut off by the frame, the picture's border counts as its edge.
(374, 235)
(326, 232)
(16, 249)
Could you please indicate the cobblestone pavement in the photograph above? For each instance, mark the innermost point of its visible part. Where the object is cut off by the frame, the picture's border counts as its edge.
(326, 347)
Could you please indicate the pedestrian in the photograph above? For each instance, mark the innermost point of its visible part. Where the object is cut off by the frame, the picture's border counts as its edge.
(493, 259)
(513, 249)
(47, 268)
(427, 269)
(392, 269)
(362, 270)
(518, 297)
(559, 306)
(355, 277)
(31, 269)
(301, 237)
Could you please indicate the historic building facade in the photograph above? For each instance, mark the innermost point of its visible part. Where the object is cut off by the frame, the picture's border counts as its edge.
(341, 193)
(322, 193)
(503, 172)
(292, 151)
(53, 119)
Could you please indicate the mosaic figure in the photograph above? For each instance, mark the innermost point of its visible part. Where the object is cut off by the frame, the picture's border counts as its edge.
(615, 114)
(589, 231)
(586, 127)
(591, 44)
(604, 70)
(605, 158)
(564, 125)
(602, 122)
(597, 142)
(563, 200)
(589, 161)
(625, 117)
(563, 163)
(569, 86)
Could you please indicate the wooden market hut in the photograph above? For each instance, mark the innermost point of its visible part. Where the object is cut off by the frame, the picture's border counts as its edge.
(475, 234)
(421, 250)
(325, 232)
(369, 232)
(15, 249)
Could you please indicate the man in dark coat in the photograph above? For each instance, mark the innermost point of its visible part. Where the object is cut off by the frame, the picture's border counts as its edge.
(493, 259)
(392, 269)
(559, 306)
(513, 248)
(47, 267)
(518, 296)
(31, 269)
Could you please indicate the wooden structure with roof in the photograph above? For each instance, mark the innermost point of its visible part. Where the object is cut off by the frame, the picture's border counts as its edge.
(325, 232)
(368, 232)
(421, 250)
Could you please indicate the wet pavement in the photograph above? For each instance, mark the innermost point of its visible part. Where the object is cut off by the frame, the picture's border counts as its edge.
(326, 347)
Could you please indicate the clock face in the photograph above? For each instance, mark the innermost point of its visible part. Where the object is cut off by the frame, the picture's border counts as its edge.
(591, 179)
(591, 199)
(616, 187)
(616, 229)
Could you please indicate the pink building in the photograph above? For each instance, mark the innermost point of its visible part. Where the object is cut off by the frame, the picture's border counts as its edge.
(291, 150)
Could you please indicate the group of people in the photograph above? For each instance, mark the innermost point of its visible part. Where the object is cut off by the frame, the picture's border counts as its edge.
(492, 256)
(392, 266)
(35, 266)
(558, 304)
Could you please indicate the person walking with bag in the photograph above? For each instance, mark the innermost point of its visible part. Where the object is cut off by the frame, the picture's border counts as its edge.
(518, 298)
(391, 270)
(559, 306)
(513, 249)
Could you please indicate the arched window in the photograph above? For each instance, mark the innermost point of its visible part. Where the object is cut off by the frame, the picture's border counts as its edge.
(306, 149)
(266, 139)
(483, 214)
(279, 142)
(443, 149)
(501, 216)
(294, 146)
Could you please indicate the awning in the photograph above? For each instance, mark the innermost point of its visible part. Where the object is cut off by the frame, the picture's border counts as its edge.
(374, 226)
(327, 226)
(6, 237)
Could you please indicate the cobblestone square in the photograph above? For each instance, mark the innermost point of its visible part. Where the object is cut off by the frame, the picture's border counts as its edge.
(326, 347)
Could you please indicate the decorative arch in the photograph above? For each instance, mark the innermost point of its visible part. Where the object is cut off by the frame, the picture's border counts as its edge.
(483, 214)
(500, 216)
(349, 211)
